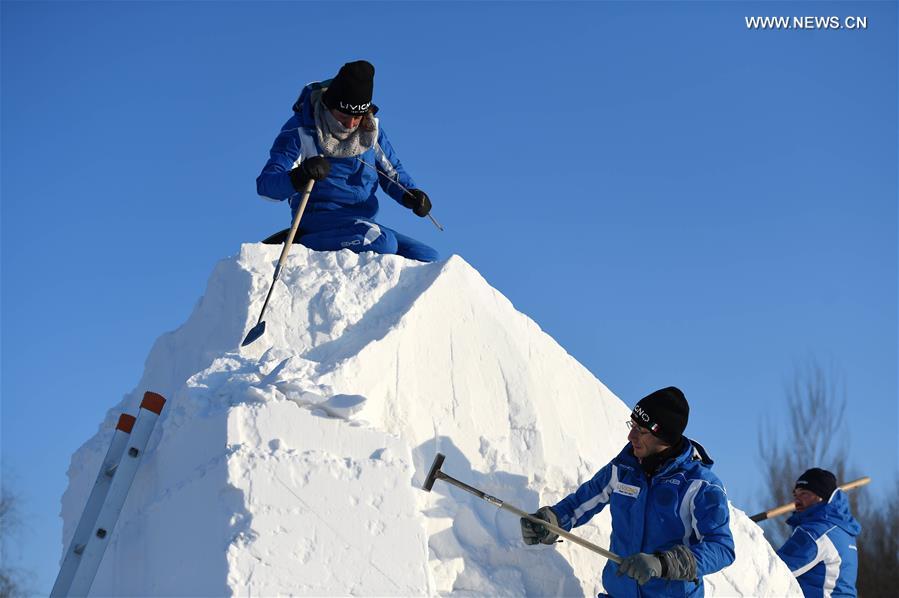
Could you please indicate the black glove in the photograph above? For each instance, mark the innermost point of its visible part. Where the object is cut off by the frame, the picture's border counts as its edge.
(641, 566)
(417, 201)
(534, 533)
(316, 167)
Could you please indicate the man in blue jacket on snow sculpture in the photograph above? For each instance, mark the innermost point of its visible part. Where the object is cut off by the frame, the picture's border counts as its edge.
(335, 139)
(821, 553)
(670, 518)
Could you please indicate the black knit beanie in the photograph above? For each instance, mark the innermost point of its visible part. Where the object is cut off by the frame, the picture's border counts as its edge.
(817, 480)
(351, 90)
(664, 413)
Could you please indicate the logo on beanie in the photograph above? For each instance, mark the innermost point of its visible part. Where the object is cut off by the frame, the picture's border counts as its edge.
(638, 411)
(353, 108)
(639, 414)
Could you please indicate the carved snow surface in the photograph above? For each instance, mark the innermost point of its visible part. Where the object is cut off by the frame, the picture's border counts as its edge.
(293, 466)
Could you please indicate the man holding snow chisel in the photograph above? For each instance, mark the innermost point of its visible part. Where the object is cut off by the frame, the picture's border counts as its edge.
(670, 518)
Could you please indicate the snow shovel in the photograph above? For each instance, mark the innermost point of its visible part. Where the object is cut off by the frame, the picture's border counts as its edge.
(259, 329)
(790, 507)
(435, 474)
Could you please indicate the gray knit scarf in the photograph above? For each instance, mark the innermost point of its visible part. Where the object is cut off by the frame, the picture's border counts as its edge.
(336, 140)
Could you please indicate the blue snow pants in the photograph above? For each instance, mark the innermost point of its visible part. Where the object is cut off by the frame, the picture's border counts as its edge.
(360, 234)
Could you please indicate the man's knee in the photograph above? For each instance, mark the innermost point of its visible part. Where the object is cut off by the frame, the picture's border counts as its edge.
(418, 251)
(377, 239)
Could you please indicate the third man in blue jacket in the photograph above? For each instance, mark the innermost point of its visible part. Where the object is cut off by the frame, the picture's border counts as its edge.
(670, 518)
(821, 552)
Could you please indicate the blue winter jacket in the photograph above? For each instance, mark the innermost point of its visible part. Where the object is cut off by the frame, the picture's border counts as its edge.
(821, 553)
(349, 190)
(682, 503)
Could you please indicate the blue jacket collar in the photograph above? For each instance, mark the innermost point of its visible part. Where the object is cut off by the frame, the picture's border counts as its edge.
(303, 107)
(834, 512)
(693, 451)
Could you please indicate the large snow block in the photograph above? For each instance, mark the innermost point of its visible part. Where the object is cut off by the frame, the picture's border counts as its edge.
(294, 465)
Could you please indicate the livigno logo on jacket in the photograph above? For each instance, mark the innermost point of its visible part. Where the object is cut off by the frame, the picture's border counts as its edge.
(627, 490)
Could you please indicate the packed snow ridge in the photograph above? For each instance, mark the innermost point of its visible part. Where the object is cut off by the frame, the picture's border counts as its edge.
(294, 466)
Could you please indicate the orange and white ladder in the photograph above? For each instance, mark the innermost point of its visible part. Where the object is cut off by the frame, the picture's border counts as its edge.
(85, 552)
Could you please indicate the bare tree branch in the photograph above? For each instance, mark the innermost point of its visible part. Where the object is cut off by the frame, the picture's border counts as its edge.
(13, 581)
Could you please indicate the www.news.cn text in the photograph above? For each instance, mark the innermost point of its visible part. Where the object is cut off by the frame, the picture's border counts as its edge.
(804, 23)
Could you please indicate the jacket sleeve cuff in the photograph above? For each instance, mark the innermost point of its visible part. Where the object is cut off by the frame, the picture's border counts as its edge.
(678, 564)
(298, 179)
(563, 516)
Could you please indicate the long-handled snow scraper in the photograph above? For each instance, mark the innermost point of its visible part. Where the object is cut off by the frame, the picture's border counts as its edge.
(435, 474)
(790, 507)
(259, 329)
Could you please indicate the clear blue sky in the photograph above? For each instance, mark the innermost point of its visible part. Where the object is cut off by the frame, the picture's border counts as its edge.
(675, 198)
